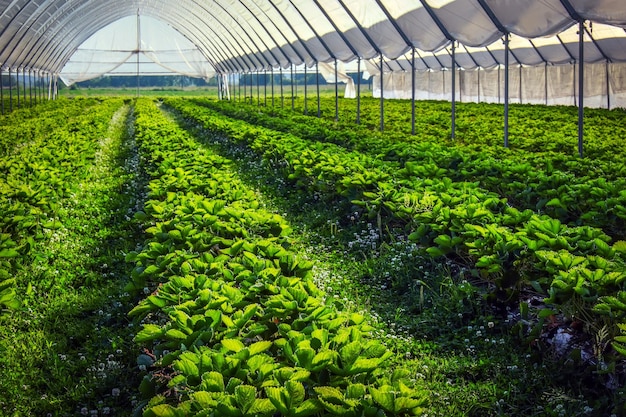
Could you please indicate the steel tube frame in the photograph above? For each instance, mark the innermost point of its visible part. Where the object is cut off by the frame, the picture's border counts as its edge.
(17, 84)
(412, 91)
(1, 91)
(336, 92)
(581, 85)
(282, 90)
(292, 84)
(382, 97)
(506, 90)
(317, 82)
(453, 110)
(358, 91)
(306, 110)
(10, 91)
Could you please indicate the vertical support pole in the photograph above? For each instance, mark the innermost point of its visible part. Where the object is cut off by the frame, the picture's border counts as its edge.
(382, 99)
(336, 92)
(17, 84)
(10, 91)
(272, 86)
(239, 87)
(282, 90)
(520, 84)
(358, 91)
(306, 108)
(24, 85)
(265, 87)
(608, 85)
(1, 91)
(245, 89)
(413, 91)
(258, 90)
(293, 96)
(30, 87)
(317, 83)
(478, 85)
(545, 82)
(506, 90)
(581, 85)
(453, 111)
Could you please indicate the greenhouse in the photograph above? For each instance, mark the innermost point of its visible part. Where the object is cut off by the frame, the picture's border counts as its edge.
(343, 208)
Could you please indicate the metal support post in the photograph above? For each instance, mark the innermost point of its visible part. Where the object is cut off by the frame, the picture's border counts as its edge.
(292, 83)
(336, 92)
(306, 108)
(581, 85)
(506, 90)
(317, 82)
(413, 91)
(382, 100)
(282, 90)
(358, 91)
(453, 128)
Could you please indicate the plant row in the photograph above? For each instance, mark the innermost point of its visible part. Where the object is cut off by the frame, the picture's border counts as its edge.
(513, 250)
(36, 177)
(21, 126)
(574, 191)
(233, 324)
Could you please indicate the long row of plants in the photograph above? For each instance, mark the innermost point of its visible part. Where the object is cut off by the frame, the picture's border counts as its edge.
(25, 124)
(66, 348)
(233, 324)
(36, 177)
(532, 128)
(576, 268)
(569, 189)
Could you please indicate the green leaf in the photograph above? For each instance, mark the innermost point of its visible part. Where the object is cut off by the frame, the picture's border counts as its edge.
(259, 347)
(275, 395)
(262, 407)
(149, 332)
(307, 408)
(186, 367)
(384, 397)
(295, 391)
(233, 345)
(9, 253)
(212, 381)
(244, 396)
(163, 410)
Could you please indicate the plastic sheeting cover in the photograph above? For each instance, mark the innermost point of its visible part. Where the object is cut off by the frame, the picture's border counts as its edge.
(117, 50)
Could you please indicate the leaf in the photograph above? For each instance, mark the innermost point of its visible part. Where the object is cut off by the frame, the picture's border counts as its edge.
(233, 345)
(244, 396)
(212, 381)
(384, 397)
(259, 347)
(186, 367)
(149, 332)
(163, 410)
(307, 408)
(262, 407)
(295, 391)
(275, 395)
(350, 353)
(9, 253)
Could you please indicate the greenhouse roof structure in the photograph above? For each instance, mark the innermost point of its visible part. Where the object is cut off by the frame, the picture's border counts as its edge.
(231, 36)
